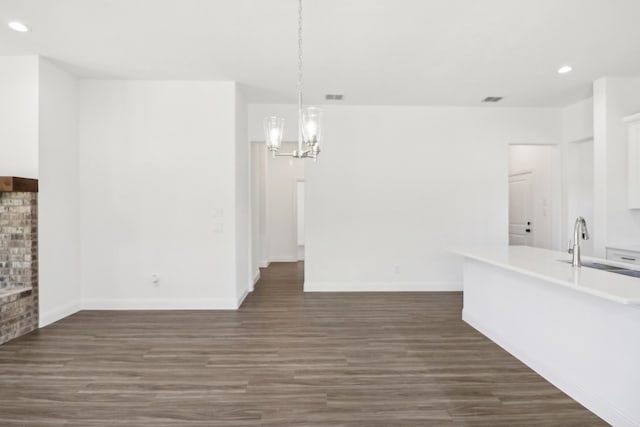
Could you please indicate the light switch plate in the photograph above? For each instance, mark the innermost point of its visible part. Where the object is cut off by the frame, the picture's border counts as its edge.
(218, 212)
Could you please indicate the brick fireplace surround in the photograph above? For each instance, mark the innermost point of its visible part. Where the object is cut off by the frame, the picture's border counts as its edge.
(18, 257)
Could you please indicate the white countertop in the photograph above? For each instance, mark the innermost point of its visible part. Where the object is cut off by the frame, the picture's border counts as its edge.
(545, 264)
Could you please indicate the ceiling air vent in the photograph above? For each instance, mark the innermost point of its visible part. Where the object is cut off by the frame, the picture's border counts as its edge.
(492, 99)
(333, 97)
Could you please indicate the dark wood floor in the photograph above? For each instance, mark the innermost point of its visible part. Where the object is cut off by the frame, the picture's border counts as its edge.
(285, 358)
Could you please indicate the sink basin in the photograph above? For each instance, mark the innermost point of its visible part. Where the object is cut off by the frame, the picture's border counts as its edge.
(600, 266)
(610, 268)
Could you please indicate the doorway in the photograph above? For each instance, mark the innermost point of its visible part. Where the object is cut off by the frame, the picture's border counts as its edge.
(534, 200)
(277, 199)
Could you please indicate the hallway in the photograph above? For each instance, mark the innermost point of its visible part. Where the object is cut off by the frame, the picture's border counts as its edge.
(285, 358)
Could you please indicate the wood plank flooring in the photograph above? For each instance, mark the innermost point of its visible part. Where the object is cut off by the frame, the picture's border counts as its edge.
(284, 359)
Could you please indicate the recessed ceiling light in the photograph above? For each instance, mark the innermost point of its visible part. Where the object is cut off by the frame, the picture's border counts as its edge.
(18, 26)
(565, 69)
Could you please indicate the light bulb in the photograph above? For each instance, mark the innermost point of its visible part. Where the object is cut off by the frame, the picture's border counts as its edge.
(311, 125)
(312, 130)
(273, 132)
(274, 136)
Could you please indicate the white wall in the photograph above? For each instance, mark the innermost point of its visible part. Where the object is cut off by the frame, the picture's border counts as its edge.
(259, 255)
(395, 186)
(577, 121)
(243, 279)
(58, 213)
(157, 194)
(538, 160)
(614, 98)
(580, 194)
(578, 172)
(19, 116)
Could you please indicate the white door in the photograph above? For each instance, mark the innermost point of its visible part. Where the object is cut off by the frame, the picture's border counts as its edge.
(520, 209)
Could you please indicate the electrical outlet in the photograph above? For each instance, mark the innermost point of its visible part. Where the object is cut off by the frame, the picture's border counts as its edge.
(155, 279)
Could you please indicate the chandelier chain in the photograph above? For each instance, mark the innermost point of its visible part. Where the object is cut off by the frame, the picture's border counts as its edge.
(300, 48)
(309, 119)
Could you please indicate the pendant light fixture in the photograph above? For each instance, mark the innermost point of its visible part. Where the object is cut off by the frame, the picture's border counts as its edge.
(309, 119)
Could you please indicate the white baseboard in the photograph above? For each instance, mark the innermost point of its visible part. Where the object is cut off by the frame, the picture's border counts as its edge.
(264, 263)
(50, 316)
(284, 258)
(382, 286)
(256, 278)
(595, 403)
(161, 304)
(241, 299)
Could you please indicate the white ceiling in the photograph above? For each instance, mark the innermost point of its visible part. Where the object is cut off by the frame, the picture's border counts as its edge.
(405, 52)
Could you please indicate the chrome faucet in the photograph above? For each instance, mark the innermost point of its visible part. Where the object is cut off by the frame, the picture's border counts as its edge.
(579, 230)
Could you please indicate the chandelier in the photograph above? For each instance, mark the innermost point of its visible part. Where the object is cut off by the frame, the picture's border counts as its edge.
(309, 119)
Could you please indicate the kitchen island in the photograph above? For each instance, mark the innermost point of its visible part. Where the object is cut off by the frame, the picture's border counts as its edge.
(577, 327)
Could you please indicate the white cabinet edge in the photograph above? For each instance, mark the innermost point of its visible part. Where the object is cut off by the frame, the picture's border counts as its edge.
(633, 165)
